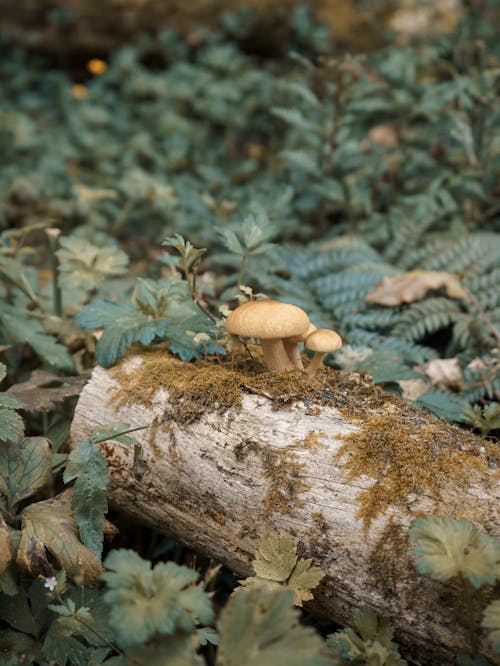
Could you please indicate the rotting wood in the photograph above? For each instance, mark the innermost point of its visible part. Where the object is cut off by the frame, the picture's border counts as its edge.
(223, 465)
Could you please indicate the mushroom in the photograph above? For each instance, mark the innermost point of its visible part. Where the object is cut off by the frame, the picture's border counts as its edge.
(291, 346)
(271, 322)
(321, 342)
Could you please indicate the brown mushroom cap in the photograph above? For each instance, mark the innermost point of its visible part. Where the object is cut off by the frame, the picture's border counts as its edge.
(323, 340)
(267, 320)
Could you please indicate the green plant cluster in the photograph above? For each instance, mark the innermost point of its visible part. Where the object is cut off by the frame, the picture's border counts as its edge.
(311, 180)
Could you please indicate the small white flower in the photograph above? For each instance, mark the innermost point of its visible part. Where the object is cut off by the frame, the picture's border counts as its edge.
(50, 583)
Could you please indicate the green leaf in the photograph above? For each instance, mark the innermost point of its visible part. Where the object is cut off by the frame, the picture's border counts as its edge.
(371, 645)
(444, 404)
(83, 264)
(178, 650)
(277, 565)
(445, 547)
(259, 627)
(20, 328)
(24, 468)
(275, 558)
(61, 645)
(162, 310)
(491, 621)
(144, 601)
(16, 646)
(88, 466)
(51, 525)
(11, 425)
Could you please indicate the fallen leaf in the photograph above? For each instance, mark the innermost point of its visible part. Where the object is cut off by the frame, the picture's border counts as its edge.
(93, 195)
(413, 388)
(51, 526)
(25, 467)
(43, 390)
(413, 286)
(6, 546)
(445, 373)
(385, 136)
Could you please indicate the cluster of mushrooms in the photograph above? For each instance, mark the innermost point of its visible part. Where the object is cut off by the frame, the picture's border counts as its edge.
(280, 327)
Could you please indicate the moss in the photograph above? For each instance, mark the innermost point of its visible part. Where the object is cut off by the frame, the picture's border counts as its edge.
(312, 441)
(283, 470)
(411, 455)
(388, 562)
(202, 385)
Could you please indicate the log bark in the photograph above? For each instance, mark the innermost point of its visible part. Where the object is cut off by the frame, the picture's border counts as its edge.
(218, 481)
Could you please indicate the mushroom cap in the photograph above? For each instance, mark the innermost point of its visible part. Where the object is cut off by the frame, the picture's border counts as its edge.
(323, 340)
(267, 320)
(302, 336)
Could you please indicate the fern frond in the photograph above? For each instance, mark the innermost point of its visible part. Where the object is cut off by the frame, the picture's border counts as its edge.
(428, 316)
(342, 293)
(406, 236)
(471, 255)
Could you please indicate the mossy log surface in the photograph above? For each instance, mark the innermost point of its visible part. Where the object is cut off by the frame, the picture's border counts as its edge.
(332, 461)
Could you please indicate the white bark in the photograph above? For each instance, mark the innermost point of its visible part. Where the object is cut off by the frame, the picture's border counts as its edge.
(208, 484)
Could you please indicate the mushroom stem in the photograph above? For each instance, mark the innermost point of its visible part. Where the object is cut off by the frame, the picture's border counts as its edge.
(293, 353)
(275, 356)
(315, 363)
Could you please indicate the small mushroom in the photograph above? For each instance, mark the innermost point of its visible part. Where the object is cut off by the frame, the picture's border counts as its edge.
(270, 322)
(291, 346)
(321, 342)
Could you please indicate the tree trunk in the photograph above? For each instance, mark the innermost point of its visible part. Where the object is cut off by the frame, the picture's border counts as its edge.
(331, 461)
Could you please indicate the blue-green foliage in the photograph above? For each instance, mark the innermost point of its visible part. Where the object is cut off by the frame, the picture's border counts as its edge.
(160, 310)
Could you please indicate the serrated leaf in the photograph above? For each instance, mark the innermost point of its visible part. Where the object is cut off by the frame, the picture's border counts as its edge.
(61, 645)
(276, 558)
(446, 548)
(491, 621)
(51, 526)
(10, 402)
(304, 578)
(231, 241)
(24, 468)
(178, 650)
(21, 328)
(11, 425)
(86, 265)
(259, 627)
(88, 466)
(144, 601)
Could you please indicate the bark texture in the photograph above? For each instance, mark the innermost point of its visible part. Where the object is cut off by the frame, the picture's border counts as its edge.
(218, 482)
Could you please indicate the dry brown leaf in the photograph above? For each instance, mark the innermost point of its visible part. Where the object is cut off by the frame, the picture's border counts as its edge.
(413, 286)
(6, 546)
(413, 388)
(43, 390)
(51, 526)
(385, 136)
(445, 373)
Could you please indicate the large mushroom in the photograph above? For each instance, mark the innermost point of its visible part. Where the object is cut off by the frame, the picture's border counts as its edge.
(271, 322)
(321, 342)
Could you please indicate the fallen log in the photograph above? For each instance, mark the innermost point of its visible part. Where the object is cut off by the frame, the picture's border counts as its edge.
(332, 461)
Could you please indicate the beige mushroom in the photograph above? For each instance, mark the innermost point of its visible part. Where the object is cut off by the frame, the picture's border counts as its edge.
(321, 342)
(291, 346)
(270, 322)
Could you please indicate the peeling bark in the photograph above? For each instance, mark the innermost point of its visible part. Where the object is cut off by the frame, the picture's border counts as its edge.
(218, 483)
